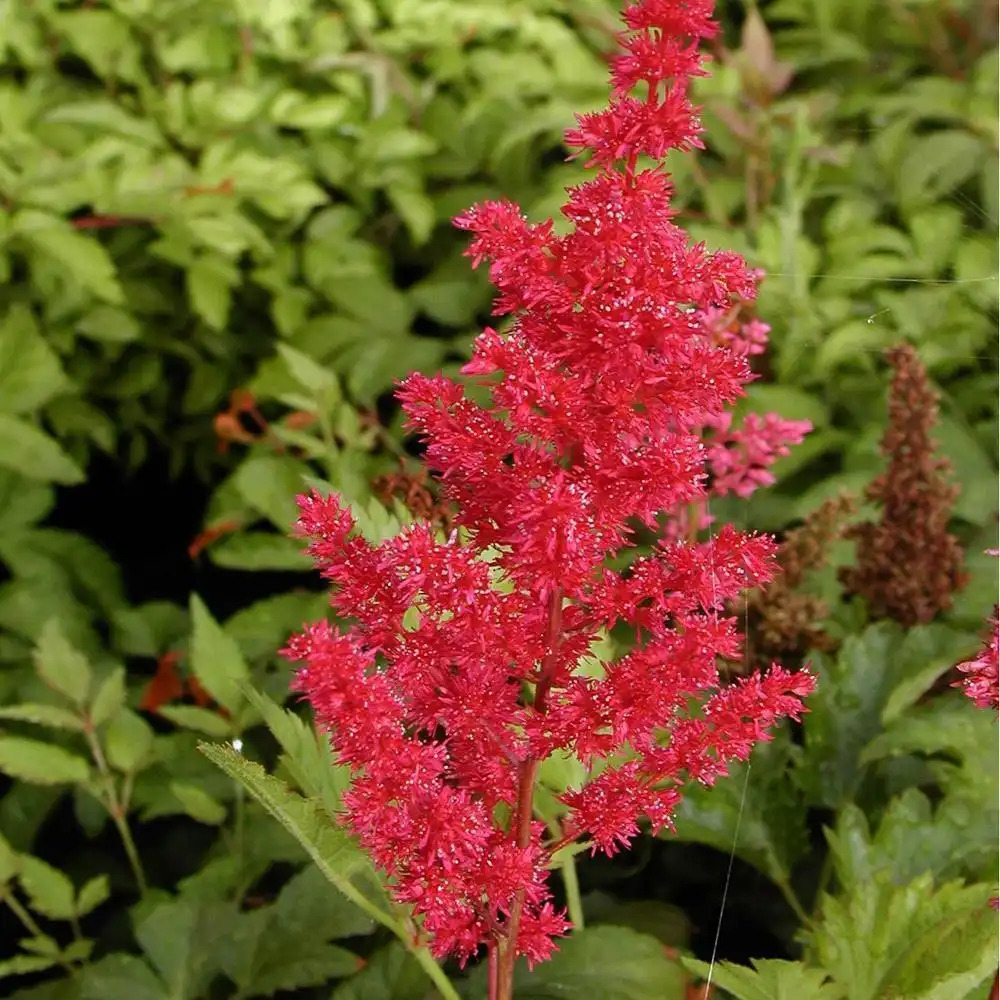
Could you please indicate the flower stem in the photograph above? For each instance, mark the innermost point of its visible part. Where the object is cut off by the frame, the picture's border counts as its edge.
(521, 823)
(116, 807)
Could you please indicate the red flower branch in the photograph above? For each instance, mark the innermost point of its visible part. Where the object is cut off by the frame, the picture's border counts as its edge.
(460, 666)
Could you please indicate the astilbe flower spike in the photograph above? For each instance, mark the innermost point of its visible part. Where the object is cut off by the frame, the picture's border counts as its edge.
(908, 564)
(459, 669)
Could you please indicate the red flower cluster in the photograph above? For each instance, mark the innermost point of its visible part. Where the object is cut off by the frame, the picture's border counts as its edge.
(461, 667)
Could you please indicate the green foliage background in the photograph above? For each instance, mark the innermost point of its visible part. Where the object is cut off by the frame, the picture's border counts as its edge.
(202, 197)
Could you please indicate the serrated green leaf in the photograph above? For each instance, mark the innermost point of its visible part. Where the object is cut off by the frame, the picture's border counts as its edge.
(768, 979)
(40, 763)
(110, 697)
(128, 741)
(26, 450)
(51, 893)
(210, 290)
(306, 754)
(63, 667)
(201, 720)
(42, 715)
(216, 659)
(198, 804)
(882, 939)
(336, 854)
(94, 892)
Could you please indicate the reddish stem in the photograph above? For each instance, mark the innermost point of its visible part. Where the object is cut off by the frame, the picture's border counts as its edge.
(995, 992)
(521, 823)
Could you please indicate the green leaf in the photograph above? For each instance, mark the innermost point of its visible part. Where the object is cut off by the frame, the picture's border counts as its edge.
(30, 372)
(122, 977)
(198, 804)
(128, 742)
(210, 282)
(94, 892)
(883, 939)
(23, 965)
(603, 963)
(336, 854)
(319, 381)
(769, 979)
(216, 659)
(261, 550)
(28, 451)
(110, 697)
(10, 862)
(392, 973)
(82, 258)
(269, 484)
(771, 817)
(181, 939)
(51, 893)
(201, 720)
(306, 754)
(40, 763)
(42, 715)
(63, 667)
(845, 711)
(972, 468)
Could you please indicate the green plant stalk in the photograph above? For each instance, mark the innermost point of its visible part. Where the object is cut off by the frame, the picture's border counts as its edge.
(116, 809)
(31, 926)
(571, 884)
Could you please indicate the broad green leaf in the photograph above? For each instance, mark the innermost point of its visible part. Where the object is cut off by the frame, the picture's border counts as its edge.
(845, 711)
(42, 715)
(51, 893)
(392, 973)
(926, 652)
(94, 892)
(201, 720)
(30, 372)
(262, 957)
(40, 763)
(181, 939)
(336, 854)
(198, 804)
(122, 977)
(603, 963)
(110, 697)
(26, 450)
(128, 741)
(663, 921)
(63, 667)
(306, 905)
(216, 659)
(264, 626)
(768, 979)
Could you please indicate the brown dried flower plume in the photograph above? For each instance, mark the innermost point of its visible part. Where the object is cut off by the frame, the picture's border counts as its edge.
(908, 566)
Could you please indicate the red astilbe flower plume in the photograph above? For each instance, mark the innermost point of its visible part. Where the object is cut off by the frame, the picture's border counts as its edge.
(461, 666)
